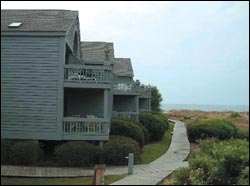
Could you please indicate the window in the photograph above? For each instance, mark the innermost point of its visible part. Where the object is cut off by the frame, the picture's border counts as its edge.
(15, 25)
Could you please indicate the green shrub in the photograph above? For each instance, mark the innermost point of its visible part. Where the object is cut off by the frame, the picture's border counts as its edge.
(6, 151)
(155, 126)
(182, 176)
(205, 128)
(231, 156)
(77, 154)
(223, 163)
(48, 146)
(201, 166)
(26, 153)
(234, 115)
(244, 177)
(163, 117)
(144, 129)
(126, 127)
(118, 147)
(242, 134)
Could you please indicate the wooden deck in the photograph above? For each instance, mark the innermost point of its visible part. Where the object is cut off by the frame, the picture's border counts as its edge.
(23, 171)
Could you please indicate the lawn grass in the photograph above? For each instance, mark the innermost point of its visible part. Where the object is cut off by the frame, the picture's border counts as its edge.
(57, 181)
(151, 152)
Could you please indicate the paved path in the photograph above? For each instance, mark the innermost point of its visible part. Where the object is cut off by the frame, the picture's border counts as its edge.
(149, 174)
(156, 171)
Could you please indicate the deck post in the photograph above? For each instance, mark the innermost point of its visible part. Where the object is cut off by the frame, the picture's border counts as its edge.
(137, 107)
(106, 104)
(101, 157)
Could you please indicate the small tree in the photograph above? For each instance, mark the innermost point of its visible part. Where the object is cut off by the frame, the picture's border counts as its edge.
(155, 99)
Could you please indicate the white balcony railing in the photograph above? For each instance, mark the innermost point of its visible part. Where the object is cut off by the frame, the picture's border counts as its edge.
(131, 88)
(84, 126)
(125, 88)
(87, 73)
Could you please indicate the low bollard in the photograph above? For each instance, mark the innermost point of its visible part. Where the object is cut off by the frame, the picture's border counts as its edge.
(98, 178)
(130, 163)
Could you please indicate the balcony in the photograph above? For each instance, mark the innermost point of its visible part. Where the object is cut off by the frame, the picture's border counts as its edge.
(125, 89)
(85, 128)
(145, 92)
(87, 76)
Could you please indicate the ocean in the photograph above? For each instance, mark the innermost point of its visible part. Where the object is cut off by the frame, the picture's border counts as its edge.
(236, 108)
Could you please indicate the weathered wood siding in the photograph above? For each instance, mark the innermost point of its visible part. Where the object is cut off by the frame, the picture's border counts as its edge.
(122, 79)
(84, 102)
(31, 87)
(143, 103)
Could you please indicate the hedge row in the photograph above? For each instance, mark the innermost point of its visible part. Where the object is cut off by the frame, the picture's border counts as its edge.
(155, 125)
(132, 136)
(70, 154)
(20, 152)
(125, 127)
(77, 154)
(117, 149)
(205, 128)
(163, 117)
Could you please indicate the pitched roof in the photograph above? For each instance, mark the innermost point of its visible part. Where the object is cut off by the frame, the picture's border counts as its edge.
(38, 20)
(97, 50)
(123, 67)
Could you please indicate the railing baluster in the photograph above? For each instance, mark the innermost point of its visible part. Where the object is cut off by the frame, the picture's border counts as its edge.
(86, 74)
(84, 127)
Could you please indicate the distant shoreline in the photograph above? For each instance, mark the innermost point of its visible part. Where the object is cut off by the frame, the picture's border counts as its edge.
(204, 111)
(216, 108)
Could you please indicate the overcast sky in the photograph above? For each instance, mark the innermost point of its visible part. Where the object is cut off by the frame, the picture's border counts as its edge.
(194, 52)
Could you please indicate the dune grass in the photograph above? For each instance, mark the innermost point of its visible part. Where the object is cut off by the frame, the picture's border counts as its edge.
(57, 181)
(151, 152)
(241, 121)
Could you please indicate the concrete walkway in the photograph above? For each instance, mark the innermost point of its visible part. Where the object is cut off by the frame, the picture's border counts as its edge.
(149, 174)
(156, 171)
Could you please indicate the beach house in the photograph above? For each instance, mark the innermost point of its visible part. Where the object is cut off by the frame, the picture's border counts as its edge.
(129, 97)
(47, 91)
(55, 87)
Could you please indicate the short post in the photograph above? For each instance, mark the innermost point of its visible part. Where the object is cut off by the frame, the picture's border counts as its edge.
(130, 163)
(98, 178)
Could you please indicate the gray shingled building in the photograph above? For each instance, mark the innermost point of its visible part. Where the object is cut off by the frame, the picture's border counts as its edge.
(129, 98)
(53, 87)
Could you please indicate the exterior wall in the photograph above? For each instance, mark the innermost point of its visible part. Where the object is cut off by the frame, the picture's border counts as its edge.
(84, 102)
(71, 59)
(144, 104)
(122, 79)
(31, 87)
(124, 103)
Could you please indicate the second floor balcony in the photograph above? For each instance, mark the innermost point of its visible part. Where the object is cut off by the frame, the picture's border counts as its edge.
(145, 91)
(125, 88)
(84, 75)
(131, 89)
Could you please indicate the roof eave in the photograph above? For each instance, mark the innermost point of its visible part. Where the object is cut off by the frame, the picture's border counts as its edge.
(33, 33)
